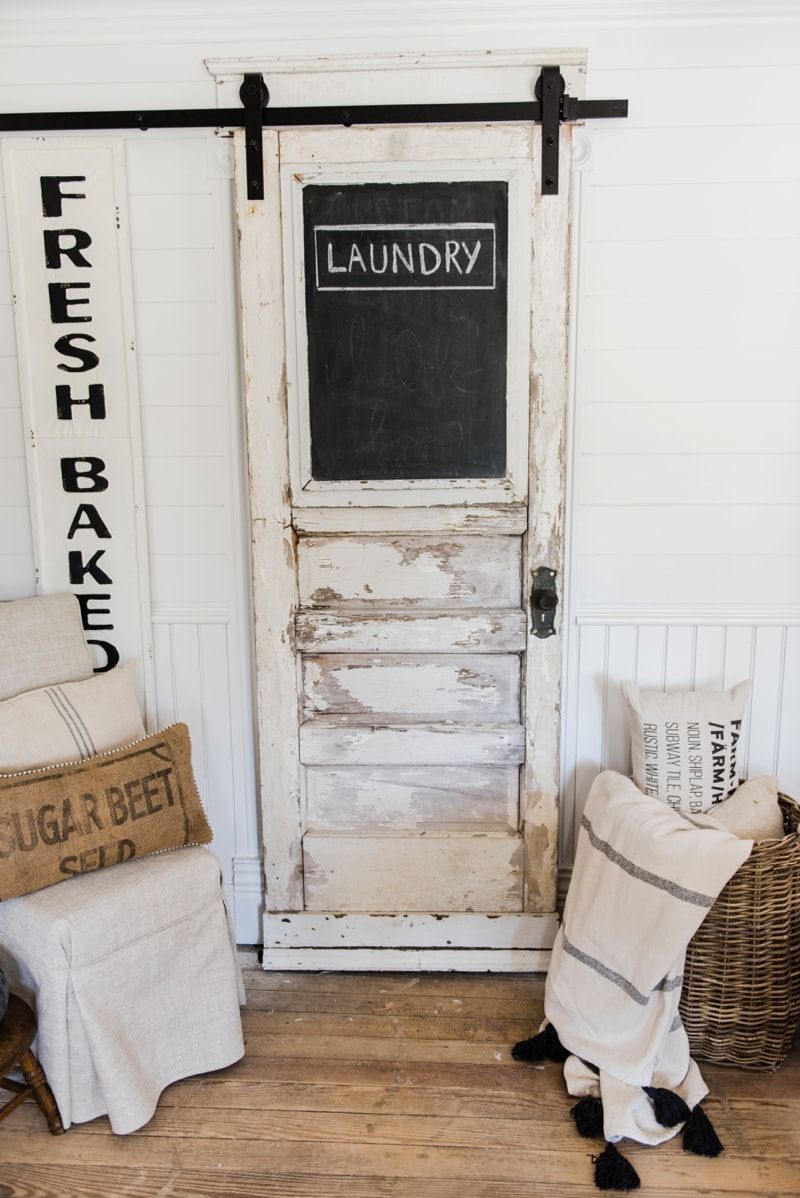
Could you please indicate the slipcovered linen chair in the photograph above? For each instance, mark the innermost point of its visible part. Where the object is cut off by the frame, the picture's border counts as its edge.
(132, 970)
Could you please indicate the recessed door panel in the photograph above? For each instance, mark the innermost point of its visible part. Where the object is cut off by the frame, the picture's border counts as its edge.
(432, 873)
(419, 571)
(447, 798)
(413, 688)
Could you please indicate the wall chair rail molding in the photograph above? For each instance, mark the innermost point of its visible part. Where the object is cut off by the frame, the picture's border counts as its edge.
(694, 614)
(191, 613)
(70, 257)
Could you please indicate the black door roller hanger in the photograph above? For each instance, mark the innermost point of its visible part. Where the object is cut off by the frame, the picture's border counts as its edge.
(551, 107)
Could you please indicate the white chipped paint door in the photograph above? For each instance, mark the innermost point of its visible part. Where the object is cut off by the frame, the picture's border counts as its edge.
(404, 316)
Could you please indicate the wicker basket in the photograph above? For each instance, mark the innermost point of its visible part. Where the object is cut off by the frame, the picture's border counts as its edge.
(741, 992)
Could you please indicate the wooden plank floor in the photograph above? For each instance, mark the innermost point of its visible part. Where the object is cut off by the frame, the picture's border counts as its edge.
(393, 1086)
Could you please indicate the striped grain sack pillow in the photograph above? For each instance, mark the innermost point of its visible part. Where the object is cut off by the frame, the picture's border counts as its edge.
(70, 721)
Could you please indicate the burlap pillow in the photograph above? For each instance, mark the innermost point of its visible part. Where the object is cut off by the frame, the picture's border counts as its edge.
(64, 820)
(752, 812)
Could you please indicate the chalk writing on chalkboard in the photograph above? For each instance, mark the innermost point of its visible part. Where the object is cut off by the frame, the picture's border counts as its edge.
(407, 329)
(405, 257)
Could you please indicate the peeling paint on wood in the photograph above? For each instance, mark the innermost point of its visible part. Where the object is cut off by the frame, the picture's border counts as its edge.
(400, 689)
(338, 741)
(383, 688)
(324, 596)
(436, 873)
(544, 541)
(274, 561)
(411, 930)
(412, 570)
(443, 798)
(478, 519)
(391, 631)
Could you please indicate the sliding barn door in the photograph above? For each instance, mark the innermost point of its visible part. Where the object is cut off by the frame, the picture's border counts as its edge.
(404, 317)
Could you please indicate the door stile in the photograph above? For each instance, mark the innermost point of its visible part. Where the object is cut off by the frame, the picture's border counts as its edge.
(275, 599)
(543, 544)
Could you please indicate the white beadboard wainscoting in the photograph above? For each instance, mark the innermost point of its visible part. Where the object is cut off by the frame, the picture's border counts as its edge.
(197, 683)
(672, 649)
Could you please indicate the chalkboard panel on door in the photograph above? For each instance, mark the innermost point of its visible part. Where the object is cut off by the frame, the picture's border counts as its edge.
(404, 304)
(406, 309)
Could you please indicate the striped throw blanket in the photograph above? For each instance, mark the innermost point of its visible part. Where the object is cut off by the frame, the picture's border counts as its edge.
(645, 876)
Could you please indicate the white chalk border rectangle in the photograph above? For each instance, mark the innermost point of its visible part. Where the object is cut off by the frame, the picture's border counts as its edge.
(410, 228)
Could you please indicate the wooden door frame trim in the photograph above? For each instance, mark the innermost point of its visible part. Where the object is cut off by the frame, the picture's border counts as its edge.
(273, 539)
(544, 541)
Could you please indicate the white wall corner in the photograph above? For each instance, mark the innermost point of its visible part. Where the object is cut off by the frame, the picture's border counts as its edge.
(564, 877)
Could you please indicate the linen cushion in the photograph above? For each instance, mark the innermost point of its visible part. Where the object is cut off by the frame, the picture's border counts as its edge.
(70, 924)
(683, 745)
(41, 642)
(70, 721)
(60, 821)
(752, 812)
(134, 977)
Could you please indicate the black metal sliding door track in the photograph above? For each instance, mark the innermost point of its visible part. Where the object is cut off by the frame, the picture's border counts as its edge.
(551, 107)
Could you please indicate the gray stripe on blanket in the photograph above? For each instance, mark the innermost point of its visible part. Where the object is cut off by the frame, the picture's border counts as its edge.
(644, 875)
(700, 827)
(611, 975)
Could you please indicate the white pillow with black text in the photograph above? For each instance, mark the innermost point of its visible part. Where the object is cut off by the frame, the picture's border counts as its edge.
(684, 744)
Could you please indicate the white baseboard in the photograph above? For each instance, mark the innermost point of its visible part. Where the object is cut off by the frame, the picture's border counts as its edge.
(408, 960)
(452, 932)
(247, 899)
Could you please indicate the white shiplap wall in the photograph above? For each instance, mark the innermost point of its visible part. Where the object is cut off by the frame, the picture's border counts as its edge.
(685, 494)
(684, 478)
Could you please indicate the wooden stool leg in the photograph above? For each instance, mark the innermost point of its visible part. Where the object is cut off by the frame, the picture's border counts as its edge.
(34, 1076)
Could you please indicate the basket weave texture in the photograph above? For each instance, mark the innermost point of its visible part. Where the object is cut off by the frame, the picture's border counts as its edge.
(740, 1003)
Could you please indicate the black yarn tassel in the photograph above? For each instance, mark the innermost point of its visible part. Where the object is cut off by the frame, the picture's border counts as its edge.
(668, 1108)
(545, 1046)
(613, 1172)
(588, 1116)
(699, 1136)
